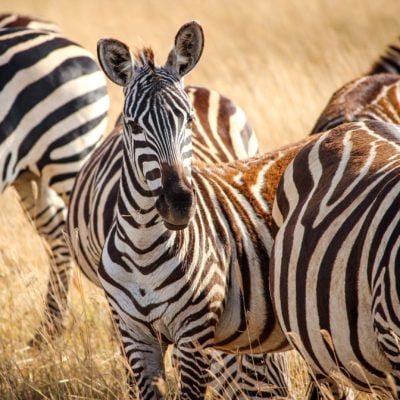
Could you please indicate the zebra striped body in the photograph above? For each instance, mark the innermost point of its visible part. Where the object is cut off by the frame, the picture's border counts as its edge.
(8, 20)
(258, 376)
(203, 286)
(220, 131)
(54, 107)
(90, 220)
(375, 96)
(335, 262)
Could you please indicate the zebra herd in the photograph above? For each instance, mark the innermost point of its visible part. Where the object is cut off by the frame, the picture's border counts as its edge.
(197, 240)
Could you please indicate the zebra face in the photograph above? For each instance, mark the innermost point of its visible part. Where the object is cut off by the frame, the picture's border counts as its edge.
(157, 130)
(157, 119)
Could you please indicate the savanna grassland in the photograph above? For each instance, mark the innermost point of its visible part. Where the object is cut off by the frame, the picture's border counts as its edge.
(280, 60)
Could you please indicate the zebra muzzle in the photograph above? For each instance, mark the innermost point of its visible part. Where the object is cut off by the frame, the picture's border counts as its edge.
(176, 208)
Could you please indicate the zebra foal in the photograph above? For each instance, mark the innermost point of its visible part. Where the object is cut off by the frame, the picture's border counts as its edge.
(183, 258)
(54, 107)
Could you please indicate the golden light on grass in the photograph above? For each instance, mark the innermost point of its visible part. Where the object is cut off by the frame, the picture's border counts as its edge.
(279, 60)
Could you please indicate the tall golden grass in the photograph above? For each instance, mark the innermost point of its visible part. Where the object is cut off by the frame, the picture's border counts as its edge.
(280, 60)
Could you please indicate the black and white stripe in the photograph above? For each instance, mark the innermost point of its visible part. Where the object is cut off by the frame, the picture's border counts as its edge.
(376, 96)
(200, 286)
(335, 264)
(54, 108)
(11, 20)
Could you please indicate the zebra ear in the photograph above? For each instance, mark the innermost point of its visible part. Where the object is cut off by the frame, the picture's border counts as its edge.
(115, 60)
(187, 50)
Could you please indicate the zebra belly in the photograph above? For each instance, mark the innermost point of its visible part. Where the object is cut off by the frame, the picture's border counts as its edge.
(328, 310)
(254, 330)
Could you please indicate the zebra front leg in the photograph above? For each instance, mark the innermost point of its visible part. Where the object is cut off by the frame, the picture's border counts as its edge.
(193, 363)
(145, 356)
(48, 212)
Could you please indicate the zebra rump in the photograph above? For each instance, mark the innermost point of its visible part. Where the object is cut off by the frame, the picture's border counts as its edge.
(53, 114)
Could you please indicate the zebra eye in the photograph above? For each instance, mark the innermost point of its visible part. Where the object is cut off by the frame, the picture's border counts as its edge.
(189, 122)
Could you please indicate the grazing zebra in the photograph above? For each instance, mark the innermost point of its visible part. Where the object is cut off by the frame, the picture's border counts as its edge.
(54, 106)
(184, 257)
(335, 261)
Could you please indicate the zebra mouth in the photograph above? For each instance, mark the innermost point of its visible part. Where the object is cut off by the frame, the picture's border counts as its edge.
(174, 227)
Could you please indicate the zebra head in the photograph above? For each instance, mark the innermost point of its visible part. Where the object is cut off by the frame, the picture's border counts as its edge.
(157, 119)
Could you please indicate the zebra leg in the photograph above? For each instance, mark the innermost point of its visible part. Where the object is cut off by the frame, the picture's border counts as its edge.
(145, 358)
(48, 212)
(265, 376)
(330, 389)
(193, 363)
(246, 376)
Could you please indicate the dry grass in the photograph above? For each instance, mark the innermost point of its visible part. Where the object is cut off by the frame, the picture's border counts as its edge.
(280, 60)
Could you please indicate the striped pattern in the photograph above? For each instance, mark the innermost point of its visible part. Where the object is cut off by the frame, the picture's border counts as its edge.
(257, 376)
(375, 96)
(389, 62)
(220, 132)
(260, 376)
(54, 108)
(336, 255)
(9, 20)
(206, 285)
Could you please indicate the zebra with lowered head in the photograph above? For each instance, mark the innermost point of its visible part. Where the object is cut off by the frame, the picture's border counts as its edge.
(54, 107)
(184, 257)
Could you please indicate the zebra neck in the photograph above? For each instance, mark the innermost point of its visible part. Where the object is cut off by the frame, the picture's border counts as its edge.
(135, 200)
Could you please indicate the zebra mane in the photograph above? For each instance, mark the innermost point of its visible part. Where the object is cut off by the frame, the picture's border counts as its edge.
(144, 57)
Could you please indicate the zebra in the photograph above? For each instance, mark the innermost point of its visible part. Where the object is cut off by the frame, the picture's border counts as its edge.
(374, 96)
(12, 20)
(258, 376)
(211, 148)
(209, 261)
(54, 112)
(333, 269)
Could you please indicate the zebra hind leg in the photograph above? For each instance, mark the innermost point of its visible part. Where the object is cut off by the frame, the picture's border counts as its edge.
(48, 212)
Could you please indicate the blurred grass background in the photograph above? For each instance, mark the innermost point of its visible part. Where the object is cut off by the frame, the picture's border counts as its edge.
(279, 60)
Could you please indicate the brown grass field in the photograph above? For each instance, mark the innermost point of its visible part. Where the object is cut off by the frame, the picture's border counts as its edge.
(280, 60)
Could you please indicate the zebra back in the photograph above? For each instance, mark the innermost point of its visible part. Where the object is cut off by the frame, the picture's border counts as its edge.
(54, 112)
(10, 20)
(221, 132)
(375, 97)
(54, 107)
